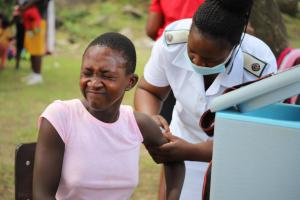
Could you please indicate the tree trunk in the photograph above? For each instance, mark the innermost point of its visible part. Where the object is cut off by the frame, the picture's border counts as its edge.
(289, 7)
(268, 25)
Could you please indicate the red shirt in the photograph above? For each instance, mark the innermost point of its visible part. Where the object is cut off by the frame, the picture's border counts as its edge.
(174, 10)
(32, 18)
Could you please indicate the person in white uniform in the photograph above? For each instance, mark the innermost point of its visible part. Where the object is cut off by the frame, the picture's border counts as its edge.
(198, 59)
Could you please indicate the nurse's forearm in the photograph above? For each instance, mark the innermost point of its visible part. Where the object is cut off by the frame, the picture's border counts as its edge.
(201, 151)
(146, 102)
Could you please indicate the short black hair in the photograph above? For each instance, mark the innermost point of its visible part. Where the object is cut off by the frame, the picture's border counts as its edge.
(223, 19)
(119, 42)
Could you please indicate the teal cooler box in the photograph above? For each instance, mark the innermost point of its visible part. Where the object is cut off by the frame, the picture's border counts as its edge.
(256, 153)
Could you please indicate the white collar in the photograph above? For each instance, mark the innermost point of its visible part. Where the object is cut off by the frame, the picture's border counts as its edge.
(235, 70)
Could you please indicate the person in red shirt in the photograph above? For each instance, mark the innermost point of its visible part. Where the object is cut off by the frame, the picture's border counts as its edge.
(163, 12)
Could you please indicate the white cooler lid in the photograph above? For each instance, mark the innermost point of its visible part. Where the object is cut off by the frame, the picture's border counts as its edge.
(261, 93)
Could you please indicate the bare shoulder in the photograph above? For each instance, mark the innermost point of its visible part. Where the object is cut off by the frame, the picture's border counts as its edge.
(149, 129)
(49, 137)
(145, 123)
(140, 118)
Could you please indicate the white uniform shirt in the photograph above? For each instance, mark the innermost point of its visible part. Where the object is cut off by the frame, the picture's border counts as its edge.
(168, 66)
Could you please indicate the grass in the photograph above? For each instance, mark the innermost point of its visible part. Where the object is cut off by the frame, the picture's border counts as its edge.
(21, 105)
(101, 17)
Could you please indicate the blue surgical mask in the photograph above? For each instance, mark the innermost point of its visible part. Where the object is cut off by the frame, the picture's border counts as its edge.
(220, 68)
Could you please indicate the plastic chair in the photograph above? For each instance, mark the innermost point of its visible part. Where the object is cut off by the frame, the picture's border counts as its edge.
(24, 161)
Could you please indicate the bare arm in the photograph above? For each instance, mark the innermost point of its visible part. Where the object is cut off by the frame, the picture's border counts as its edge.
(179, 149)
(154, 22)
(149, 98)
(48, 162)
(201, 152)
(174, 171)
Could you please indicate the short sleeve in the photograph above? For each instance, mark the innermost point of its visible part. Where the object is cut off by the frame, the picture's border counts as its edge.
(262, 51)
(155, 6)
(57, 114)
(132, 122)
(271, 67)
(155, 69)
(269, 58)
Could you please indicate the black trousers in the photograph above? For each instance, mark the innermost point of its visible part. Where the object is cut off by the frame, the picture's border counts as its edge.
(168, 106)
(20, 34)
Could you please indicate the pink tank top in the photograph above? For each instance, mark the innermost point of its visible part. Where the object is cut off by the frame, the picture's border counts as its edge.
(101, 159)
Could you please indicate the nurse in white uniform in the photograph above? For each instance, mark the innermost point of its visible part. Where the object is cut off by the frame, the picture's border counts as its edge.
(198, 59)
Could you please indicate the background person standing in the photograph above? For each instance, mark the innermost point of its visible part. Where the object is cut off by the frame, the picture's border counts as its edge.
(35, 41)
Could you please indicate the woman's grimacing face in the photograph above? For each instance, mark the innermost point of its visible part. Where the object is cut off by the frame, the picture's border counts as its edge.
(205, 51)
(103, 78)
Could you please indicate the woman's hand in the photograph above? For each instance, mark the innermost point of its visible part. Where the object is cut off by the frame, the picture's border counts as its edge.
(162, 122)
(176, 149)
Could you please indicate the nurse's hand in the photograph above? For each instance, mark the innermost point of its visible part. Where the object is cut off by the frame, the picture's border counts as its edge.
(175, 150)
(162, 122)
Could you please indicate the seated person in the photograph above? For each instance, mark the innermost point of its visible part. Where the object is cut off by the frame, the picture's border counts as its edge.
(89, 148)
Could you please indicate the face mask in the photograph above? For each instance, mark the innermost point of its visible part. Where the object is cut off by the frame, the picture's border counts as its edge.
(208, 70)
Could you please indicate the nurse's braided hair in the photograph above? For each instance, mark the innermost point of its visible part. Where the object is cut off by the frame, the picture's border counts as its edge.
(223, 19)
(119, 42)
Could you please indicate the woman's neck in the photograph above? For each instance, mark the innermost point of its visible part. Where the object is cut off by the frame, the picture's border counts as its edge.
(107, 116)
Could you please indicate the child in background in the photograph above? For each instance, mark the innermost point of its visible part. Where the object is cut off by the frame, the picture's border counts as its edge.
(35, 42)
(89, 148)
(6, 36)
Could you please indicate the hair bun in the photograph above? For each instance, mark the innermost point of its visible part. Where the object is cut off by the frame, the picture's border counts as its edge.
(237, 6)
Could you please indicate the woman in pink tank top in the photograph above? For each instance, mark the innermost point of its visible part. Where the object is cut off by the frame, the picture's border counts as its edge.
(89, 149)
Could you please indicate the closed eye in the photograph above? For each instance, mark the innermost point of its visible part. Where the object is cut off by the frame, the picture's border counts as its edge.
(203, 60)
(109, 77)
(87, 73)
